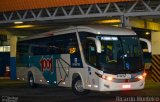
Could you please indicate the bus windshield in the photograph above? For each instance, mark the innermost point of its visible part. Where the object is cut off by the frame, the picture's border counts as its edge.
(119, 54)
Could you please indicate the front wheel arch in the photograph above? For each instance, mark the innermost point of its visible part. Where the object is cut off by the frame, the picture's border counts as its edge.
(77, 86)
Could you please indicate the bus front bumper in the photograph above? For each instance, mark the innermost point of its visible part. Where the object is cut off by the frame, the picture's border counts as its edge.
(113, 86)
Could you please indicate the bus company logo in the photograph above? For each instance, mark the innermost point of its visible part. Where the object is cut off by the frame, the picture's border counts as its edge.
(46, 64)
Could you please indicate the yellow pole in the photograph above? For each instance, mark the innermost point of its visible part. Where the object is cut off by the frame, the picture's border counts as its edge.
(13, 44)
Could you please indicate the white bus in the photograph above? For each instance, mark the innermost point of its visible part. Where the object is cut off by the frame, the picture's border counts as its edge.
(84, 58)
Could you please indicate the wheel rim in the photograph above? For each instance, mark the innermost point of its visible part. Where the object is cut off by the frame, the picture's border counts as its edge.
(79, 86)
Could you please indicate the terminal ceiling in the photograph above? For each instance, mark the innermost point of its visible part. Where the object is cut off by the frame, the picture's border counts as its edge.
(45, 15)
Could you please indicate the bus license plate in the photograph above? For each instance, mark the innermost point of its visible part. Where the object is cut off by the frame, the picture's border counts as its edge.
(123, 76)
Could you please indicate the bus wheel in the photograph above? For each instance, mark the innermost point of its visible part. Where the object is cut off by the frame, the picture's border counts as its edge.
(77, 87)
(31, 81)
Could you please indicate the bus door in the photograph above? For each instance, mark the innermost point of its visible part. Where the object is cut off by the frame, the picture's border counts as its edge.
(90, 54)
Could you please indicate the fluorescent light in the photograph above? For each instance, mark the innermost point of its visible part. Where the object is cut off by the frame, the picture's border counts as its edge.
(18, 22)
(23, 26)
(110, 21)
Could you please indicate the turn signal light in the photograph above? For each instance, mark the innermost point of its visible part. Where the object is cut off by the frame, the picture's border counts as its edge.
(144, 74)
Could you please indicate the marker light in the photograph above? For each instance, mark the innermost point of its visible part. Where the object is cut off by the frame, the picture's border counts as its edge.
(89, 85)
(64, 83)
(96, 86)
(126, 86)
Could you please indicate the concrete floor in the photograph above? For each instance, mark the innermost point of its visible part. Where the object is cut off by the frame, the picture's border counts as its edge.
(13, 89)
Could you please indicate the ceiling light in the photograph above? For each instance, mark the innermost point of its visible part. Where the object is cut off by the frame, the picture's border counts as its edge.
(23, 26)
(18, 22)
(110, 21)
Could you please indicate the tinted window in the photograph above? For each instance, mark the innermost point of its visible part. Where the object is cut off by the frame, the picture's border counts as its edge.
(55, 45)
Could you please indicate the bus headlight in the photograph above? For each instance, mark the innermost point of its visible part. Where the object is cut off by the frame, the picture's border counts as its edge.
(142, 76)
(109, 78)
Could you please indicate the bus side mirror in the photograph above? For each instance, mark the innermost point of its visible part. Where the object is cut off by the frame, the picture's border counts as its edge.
(148, 44)
(97, 43)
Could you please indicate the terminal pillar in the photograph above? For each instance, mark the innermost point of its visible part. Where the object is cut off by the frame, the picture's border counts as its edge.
(13, 44)
(155, 61)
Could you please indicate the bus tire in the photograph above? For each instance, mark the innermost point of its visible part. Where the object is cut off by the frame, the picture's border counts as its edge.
(77, 87)
(31, 82)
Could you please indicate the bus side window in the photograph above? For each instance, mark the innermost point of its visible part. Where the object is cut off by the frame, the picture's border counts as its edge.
(63, 44)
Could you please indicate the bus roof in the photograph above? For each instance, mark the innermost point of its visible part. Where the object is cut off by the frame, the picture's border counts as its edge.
(96, 29)
(106, 30)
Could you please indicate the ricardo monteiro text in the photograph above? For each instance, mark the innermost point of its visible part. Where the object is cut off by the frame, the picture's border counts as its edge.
(127, 99)
(147, 99)
(137, 99)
